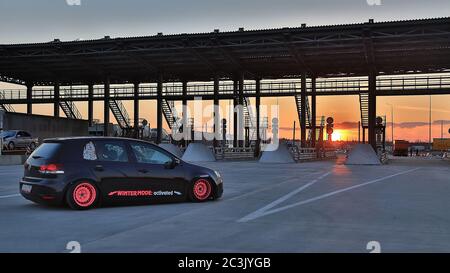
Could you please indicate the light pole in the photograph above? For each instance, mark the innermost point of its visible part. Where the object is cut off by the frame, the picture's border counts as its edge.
(392, 121)
(429, 127)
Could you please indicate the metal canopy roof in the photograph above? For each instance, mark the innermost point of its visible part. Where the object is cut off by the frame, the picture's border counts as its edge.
(340, 50)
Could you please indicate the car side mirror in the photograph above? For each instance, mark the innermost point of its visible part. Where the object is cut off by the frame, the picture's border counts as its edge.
(172, 163)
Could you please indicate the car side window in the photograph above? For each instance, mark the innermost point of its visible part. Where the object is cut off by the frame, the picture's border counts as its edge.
(114, 151)
(25, 134)
(89, 152)
(145, 153)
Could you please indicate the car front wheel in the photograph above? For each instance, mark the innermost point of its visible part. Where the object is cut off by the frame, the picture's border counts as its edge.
(201, 190)
(82, 195)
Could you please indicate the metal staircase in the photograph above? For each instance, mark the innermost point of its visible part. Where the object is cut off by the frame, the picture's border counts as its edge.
(298, 100)
(120, 113)
(364, 106)
(70, 109)
(250, 121)
(171, 116)
(5, 107)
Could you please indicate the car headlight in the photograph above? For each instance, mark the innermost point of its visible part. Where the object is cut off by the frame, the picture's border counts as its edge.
(217, 173)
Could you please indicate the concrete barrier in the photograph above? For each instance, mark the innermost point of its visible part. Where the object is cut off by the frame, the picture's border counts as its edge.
(280, 155)
(6, 160)
(362, 154)
(175, 150)
(198, 152)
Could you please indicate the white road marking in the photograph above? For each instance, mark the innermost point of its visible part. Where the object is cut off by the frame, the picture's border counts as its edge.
(9, 196)
(290, 180)
(260, 212)
(247, 218)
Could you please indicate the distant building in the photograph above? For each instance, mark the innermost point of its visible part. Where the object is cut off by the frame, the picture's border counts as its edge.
(441, 144)
(97, 129)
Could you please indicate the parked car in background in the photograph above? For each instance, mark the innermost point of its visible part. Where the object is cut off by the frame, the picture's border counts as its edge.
(17, 139)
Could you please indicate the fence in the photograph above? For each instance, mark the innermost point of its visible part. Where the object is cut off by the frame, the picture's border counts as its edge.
(239, 153)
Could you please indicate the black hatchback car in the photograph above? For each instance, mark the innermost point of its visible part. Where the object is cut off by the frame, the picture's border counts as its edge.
(87, 171)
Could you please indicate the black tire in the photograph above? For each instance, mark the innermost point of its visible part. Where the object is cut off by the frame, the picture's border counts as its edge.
(32, 146)
(11, 145)
(201, 190)
(82, 195)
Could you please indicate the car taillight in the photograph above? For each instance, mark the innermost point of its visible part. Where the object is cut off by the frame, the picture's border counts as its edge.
(51, 169)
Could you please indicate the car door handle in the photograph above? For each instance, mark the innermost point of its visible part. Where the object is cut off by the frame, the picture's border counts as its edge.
(143, 171)
(99, 168)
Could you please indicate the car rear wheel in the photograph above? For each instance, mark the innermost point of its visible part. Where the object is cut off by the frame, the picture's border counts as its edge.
(201, 190)
(82, 195)
(11, 145)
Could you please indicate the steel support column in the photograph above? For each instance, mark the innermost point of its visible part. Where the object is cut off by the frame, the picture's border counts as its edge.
(106, 107)
(29, 99)
(363, 135)
(136, 109)
(91, 105)
(235, 114)
(216, 111)
(186, 130)
(313, 112)
(56, 97)
(303, 111)
(159, 111)
(372, 109)
(241, 124)
(258, 117)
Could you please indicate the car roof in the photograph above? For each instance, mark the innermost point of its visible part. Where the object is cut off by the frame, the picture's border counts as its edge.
(64, 139)
(87, 138)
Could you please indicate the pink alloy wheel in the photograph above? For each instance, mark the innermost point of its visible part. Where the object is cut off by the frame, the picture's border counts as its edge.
(202, 189)
(84, 194)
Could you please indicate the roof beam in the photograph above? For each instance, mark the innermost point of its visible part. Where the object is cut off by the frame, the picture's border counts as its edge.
(190, 48)
(229, 56)
(296, 55)
(369, 52)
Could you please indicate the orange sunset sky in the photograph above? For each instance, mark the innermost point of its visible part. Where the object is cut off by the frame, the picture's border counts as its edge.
(29, 21)
(411, 114)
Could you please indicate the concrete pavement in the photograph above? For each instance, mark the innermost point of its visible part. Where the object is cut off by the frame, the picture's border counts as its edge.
(307, 207)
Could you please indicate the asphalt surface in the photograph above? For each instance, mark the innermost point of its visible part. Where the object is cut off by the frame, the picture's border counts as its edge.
(309, 207)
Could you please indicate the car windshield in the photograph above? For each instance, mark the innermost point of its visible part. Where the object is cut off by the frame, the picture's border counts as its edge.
(6, 134)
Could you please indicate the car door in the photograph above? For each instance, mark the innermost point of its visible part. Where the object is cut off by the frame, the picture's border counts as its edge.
(110, 164)
(26, 139)
(156, 174)
(18, 141)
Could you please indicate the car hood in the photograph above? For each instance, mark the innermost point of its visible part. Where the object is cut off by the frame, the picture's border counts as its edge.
(200, 170)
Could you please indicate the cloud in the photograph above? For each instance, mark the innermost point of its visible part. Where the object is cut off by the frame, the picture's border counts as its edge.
(409, 125)
(439, 122)
(346, 125)
(435, 110)
(414, 124)
(353, 125)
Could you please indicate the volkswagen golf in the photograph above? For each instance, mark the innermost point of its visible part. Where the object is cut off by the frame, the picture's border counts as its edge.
(84, 172)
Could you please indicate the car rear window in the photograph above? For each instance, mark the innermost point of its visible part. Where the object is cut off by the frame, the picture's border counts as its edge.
(46, 150)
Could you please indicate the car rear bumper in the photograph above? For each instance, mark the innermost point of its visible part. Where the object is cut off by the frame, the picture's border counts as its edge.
(42, 193)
